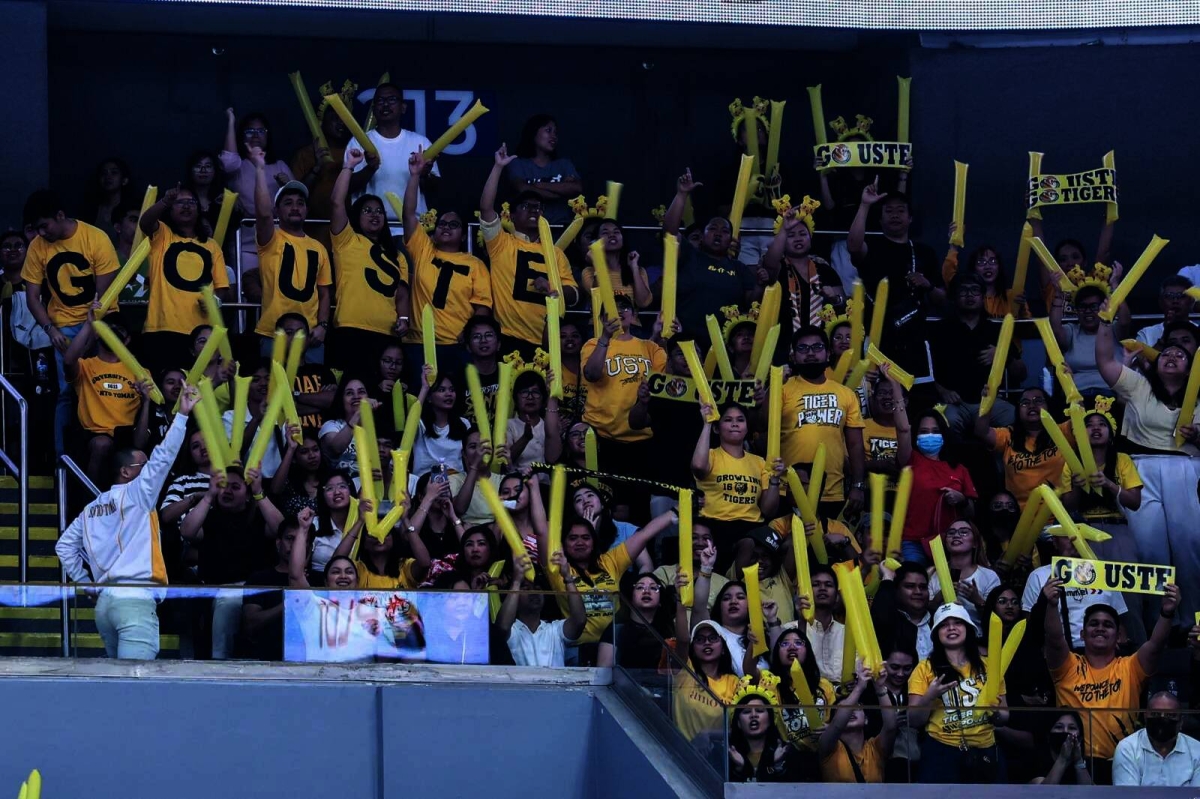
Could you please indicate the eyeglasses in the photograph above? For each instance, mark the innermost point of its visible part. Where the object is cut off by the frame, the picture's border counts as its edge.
(991, 261)
(707, 639)
(12, 248)
(533, 392)
(387, 99)
(391, 361)
(203, 167)
(805, 348)
(489, 336)
(137, 465)
(1038, 402)
(1009, 601)
(969, 290)
(250, 132)
(653, 588)
(373, 210)
(448, 224)
(329, 489)
(1173, 295)
(958, 532)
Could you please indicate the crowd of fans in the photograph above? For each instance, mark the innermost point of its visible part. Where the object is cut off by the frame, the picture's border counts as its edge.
(357, 288)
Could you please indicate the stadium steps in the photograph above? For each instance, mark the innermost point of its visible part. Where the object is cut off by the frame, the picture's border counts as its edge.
(37, 631)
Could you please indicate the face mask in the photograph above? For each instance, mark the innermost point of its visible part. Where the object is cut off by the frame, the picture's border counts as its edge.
(810, 371)
(1161, 729)
(929, 443)
(1056, 740)
(509, 504)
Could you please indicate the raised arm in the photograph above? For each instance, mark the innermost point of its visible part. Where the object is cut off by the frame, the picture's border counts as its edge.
(1149, 652)
(701, 455)
(487, 200)
(231, 142)
(856, 237)
(149, 220)
(772, 260)
(192, 528)
(1056, 321)
(297, 563)
(1107, 361)
(674, 217)
(416, 165)
(593, 370)
(338, 218)
(832, 734)
(264, 205)
(508, 608)
(576, 612)
(1055, 645)
(637, 542)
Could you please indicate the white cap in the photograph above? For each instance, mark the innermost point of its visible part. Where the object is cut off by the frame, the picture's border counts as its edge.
(291, 185)
(952, 610)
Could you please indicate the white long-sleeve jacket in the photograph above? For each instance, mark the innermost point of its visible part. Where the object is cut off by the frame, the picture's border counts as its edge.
(117, 535)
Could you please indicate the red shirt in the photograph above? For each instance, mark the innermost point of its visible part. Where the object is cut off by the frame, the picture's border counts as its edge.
(928, 512)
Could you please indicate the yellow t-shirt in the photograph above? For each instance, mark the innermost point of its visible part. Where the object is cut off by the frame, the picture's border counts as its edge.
(954, 718)
(609, 399)
(879, 440)
(367, 279)
(516, 263)
(453, 282)
(179, 268)
(793, 724)
(1106, 508)
(1025, 471)
(732, 486)
(600, 591)
(370, 581)
(107, 397)
(815, 415)
(696, 711)
(1118, 685)
(70, 266)
(285, 291)
(835, 767)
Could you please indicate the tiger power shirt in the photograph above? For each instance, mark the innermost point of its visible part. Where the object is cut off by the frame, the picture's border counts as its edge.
(452, 282)
(70, 267)
(367, 280)
(516, 264)
(814, 415)
(291, 268)
(179, 268)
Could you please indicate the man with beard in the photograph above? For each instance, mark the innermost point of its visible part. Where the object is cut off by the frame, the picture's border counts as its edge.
(1099, 682)
(1159, 754)
(818, 411)
(293, 267)
(911, 270)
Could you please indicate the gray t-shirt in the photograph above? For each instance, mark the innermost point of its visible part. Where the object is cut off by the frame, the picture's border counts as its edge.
(557, 212)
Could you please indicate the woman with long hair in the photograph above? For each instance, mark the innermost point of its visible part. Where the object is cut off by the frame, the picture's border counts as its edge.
(379, 563)
(593, 501)
(699, 701)
(625, 275)
(337, 433)
(443, 429)
(731, 615)
(847, 755)
(1064, 751)
(793, 646)
(757, 752)
(1163, 438)
(467, 568)
(108, 188)
(1114, 490)
(528, 514)
(942, 489)
(297, 481)
(967, 558)
(534, 422)
(985, 263)
(337, 511)
(372, 277)
(648, 618)
(960, 746)
(997, 520)
(1030, 456)
(539, 168)
(207, 184)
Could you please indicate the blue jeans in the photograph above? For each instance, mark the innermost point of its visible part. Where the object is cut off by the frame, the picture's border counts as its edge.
(128, 625)
(64, 410)
(912, 551)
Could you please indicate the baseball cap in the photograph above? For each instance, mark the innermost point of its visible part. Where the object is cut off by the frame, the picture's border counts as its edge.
(952, 610)
(291, 185)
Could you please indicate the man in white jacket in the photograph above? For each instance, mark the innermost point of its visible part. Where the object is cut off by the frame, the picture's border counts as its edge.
(117, 536)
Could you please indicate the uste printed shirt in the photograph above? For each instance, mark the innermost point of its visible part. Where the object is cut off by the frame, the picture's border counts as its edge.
(291, 268)
(609, 399)
(179, 268)
(70, 267)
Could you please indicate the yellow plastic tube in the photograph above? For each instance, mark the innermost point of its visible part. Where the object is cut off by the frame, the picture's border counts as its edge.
(960, 202)
(1056, 435)
(478, 405)
(670, 282)
(718, 347)
(339, 108)
(996, 374)
(878, 311)
(237, 433)
(461, 124)
(899, 512)
(803, 570)
(500, 422)
(1035, 169)
(1133, 276)
(818, 114)
(136, 257)
(943, 569)
(507, 528)
(554, 340)
(1087, 458)
(773, 136)
(150, 197)
(754, 601)
(878, 495)
(1188, 409)
(123, 354)
(768, 317)
(905, 87)
(228, 201)
(687, 593)
(774, 414)
(310, 116)
(741, 192)
(213, 312)
(688, 348)
(558, 502)
(763, 368)
(612, 191)
(816, 476)
(1055, 357)
(800, 688)
(429, 340)
(363, 446)
(604, 284)
(1022, 268)
(550, 258)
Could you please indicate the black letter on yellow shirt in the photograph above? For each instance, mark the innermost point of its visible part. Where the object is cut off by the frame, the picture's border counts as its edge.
(446, 273)
(287, 275)
(387, 266)
(79, 277)
(525, 275)
(171, 266)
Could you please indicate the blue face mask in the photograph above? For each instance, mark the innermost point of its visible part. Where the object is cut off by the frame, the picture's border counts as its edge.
(929, 443)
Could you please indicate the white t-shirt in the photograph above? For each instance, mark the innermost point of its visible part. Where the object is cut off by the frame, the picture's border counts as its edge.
(324, 545)
(984, 579)
(392, 174)
(543, 647)
(427, 451)
(271, 457)
(1150, 335)
(348, 460)
(1078, 601)
(535, 450)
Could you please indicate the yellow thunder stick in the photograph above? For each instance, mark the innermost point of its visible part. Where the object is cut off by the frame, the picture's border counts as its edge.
(1055, 357)
(213, 312)
(999, 361)
(763, 368)
(687, 593)
(363, 446)
(455, 130)
(558, 503)
(399, 406)
(118, 348)
(1111, 214)
(339, 108)
(396, 204)
(1188, 409)
(670, 283)
(310, 116)
(854, 596)
(136, 257)
(567, 237)
(503, 405)
(591, 458)
(1060, 278)
(554, 340)
(960, 202)
(228, 201)
(494, 600)
(608, 299)
(429, 341)
(803, 570)
(384, 78)
(899, 375)
(215, 338)
(855, 378)
(1029, 527)
(857, 331)
(703, 391)
(1133, 276)
(899, 512)
(943, 569)
(148, 200)
(1022, 267)
(808, 513)
(550, 257)
(718, 347)
(210, 429)
(754, 601)
(773, 136)
(818, 114)
(279, 348)
(612, 191)
(1051, 501)
(878, 311)
(993, 662)
(400, 459)
(902, 124)
(507, 528)
(768, 316)
(237, 433)
(774, 414)
(478, 407)
(1087, 458)
(266, 427)
(751, 129)
(742, 191)
(597, 326)
(807, 704)
(1035, 169)
(366, 419)
(849, 649)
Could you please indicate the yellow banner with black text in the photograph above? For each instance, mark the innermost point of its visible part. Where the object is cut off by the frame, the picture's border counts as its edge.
(678, 387)
(1104, 575)
(877, 154)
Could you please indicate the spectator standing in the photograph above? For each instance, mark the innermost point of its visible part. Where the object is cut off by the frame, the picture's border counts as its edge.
(539, 168)
(389, 171)
(252, 131)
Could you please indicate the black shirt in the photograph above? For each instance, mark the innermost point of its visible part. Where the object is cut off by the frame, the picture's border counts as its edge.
(267, 642)
(706, 284)
(904, 323)
(233, 546)
(956, 348)
(676, 427)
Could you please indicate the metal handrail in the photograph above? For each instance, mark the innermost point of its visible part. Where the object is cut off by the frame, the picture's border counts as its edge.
(65, 465)
(21, 469)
